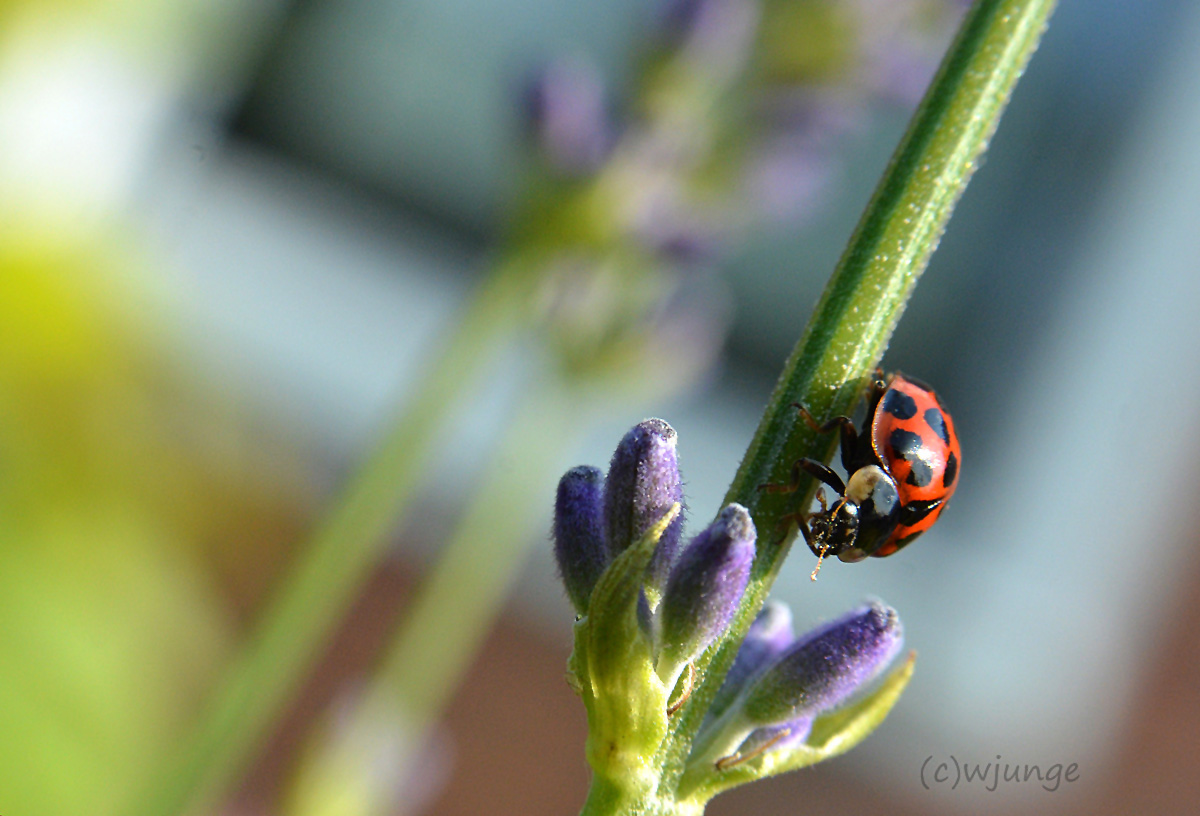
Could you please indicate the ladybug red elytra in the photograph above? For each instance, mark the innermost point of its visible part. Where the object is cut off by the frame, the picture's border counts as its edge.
(903, 467)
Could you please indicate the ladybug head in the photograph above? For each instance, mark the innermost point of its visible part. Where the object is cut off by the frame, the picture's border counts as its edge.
(860, 521)
(834, 529)
(874, 492)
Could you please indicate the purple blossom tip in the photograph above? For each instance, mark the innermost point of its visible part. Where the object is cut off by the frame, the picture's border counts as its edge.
(579, 533)
(705, 588)
(824, 667)
(643, 484)
(567, 108)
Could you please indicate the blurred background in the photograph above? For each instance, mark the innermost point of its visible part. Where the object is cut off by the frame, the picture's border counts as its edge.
(237, 237)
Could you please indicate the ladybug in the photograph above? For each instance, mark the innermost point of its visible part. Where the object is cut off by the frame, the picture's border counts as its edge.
(903, 467)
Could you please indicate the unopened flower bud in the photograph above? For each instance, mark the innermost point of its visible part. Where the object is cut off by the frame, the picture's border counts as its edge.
(579, 533)
(769, 635)
(704, 590)
(823, 668)
(643, 483)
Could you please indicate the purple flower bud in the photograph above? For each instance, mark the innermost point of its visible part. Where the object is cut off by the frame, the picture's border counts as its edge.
(567, 110)
(704, 589)
(769, 635)
(579, 533)
(824, 667)
(643, 484)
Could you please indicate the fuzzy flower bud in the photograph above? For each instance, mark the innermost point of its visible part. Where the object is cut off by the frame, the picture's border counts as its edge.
(769, 635)
(824, 667)
(579, 532)
(643, 483)
(704, 590)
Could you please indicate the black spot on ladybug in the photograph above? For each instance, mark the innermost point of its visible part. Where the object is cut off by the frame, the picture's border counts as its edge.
(937, 423)
(899, 404)
(908, 446)
(915, 512)
(921, 474)
(904, 444)
(951, 471)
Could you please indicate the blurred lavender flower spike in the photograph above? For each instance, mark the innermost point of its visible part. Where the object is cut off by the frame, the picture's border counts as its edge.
(900, 43)
(643, 483)
(787, 175)
(716, 33)
(579, 533)
(826, 666)
(703, 591)
(769, 635)
(568, 116)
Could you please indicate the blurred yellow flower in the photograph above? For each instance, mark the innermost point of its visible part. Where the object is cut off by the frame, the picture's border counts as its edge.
(123, 520)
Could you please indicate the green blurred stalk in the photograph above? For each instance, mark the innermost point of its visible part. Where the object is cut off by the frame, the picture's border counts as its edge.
(866, 295)
(451, 614)
(329, 570)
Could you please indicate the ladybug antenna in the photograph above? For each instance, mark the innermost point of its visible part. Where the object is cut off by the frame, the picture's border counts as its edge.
(820, 558)
(825, 546)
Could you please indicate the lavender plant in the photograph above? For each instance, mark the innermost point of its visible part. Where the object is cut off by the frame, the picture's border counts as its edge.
(753, 702)
(630, 204)
(638, 635)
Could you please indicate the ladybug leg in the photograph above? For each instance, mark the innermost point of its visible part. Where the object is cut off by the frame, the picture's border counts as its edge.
(813, 468)
(818, 549)
(876, 389)
(847, 433)
(826, 476)
(802, 524)
(821, 473)
(844, 422)
(879, 382)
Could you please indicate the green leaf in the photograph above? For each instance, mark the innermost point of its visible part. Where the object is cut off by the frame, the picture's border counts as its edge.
(627, 717)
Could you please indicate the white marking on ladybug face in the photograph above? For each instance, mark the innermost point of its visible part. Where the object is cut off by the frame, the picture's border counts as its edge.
(851, 555)
(863, 482)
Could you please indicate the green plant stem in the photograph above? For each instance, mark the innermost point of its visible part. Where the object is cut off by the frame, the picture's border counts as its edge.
(606, 799)
(865, 296)
(328, 571)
